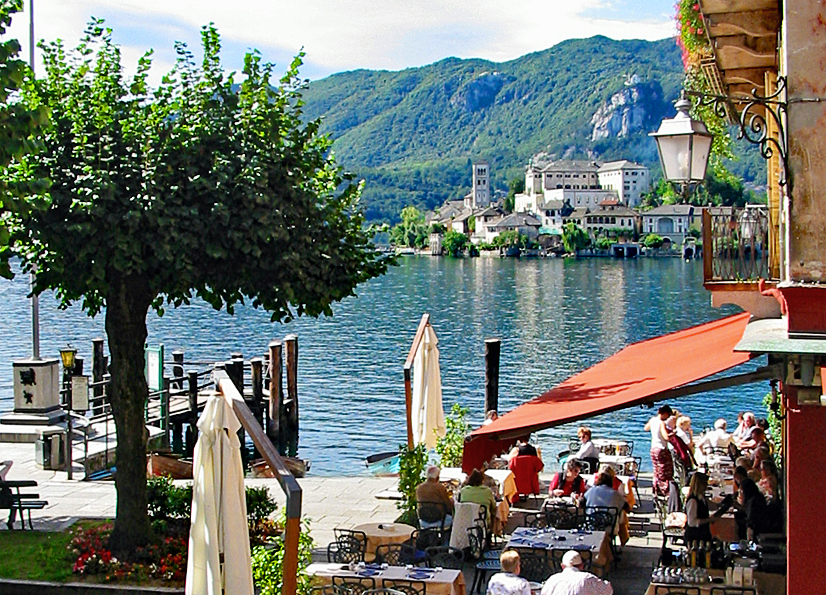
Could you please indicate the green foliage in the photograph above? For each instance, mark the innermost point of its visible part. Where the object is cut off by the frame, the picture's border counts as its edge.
(268, 563)
(604, 243)
(574, 237)
(773, 414)
(412, 466)
(260, 504)
(201, 188)
(414, 134)
(18, 125)
(506, 239)
(412, 232)
(437, 228)
(451, 446)
(515, 186)
(454, 243)
(652, 240)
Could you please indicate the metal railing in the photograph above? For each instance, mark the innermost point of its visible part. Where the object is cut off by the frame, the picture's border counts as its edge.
(736, 246)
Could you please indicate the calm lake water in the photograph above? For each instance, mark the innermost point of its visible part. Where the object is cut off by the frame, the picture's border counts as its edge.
(555, 317)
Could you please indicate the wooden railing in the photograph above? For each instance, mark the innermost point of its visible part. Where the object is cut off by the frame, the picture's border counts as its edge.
(285, 479)
(736, 247)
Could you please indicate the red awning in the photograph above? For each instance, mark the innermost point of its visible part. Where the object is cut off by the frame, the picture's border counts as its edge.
(635, 375)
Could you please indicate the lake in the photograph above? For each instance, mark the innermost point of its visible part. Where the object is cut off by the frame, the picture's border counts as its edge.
(555, 317)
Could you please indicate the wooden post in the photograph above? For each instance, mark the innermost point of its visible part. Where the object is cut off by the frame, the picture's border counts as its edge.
(192, 430)
(98, 370)
(492, 349)
(257, 382)
(291, 402)
(235, 370)
(165, 410)
(178, 368)
(274, 411)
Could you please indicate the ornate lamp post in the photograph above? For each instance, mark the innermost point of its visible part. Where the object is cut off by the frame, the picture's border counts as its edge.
(67, 355)
(684, 145)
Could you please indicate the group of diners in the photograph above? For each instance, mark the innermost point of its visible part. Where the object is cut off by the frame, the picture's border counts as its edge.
(435, 503)
(572, 580)
(744, 453)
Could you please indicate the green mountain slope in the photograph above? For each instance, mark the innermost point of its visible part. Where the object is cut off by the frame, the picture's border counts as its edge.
(413, 134)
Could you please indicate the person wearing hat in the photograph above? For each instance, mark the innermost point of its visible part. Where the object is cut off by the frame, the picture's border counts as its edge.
(575, 581)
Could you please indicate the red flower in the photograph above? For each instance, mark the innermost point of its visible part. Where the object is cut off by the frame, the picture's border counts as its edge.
(696, 7)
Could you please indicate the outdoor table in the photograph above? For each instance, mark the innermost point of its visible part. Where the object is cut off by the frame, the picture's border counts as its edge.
(443, 582)
(765, 583)
(504, 478)
(610, 446)
(621, 463)
(383, 533)
(598, 542)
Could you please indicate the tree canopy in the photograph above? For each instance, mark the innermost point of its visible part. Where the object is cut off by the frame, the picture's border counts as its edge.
(204, 188)
(18, 188)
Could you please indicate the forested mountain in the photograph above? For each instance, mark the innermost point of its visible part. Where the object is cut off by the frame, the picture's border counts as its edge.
(413, 134)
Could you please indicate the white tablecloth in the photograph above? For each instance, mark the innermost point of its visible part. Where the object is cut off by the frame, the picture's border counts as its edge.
(464, 517)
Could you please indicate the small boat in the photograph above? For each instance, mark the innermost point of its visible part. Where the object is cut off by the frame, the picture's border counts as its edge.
(167, 464)
(298, 467)
(383, 464)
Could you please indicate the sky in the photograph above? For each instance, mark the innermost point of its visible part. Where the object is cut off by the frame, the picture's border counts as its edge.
(340, 35)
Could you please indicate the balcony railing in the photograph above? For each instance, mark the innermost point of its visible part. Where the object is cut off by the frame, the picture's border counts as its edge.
(736, 247)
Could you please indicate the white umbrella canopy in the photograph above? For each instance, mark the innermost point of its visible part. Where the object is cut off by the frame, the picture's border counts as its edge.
(426, 407)
(219, 508)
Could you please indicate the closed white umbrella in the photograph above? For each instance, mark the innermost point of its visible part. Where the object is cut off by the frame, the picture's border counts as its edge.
(219, 545)
(427, 411)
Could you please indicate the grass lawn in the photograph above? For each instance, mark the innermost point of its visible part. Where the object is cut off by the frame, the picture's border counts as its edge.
(36, 555)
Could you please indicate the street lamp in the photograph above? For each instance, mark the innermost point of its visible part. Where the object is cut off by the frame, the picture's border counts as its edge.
(684, 145)
(67, 355)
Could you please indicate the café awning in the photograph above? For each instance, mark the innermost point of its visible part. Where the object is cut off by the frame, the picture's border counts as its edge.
(645, 372)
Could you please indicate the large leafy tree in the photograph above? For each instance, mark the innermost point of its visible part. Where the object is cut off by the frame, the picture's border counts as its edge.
(203, 188)
(412, 231)
(18, 189)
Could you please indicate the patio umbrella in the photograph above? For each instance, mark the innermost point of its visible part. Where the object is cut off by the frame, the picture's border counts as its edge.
(427, 411)
(219, 546)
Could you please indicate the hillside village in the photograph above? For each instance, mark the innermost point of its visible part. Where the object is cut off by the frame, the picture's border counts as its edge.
(602, 198)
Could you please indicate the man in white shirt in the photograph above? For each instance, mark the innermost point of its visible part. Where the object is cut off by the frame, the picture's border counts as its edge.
(574, 581)
(508, 582)
(717, 438)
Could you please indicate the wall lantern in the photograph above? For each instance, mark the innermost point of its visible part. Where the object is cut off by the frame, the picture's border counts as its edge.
(67, 355)
(684, 145)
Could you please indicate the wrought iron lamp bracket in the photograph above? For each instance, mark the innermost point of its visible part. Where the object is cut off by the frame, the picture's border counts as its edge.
(752, 122)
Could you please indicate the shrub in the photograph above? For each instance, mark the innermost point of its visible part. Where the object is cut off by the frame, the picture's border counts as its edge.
(451, 446)
(412, 464)
(268, 563)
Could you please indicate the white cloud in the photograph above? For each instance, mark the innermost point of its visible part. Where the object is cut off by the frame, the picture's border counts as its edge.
(346, 34)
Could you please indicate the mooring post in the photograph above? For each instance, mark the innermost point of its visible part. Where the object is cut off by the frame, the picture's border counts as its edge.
(274, 410)
(257, 382)
(192, 430)
(291, 403)
(167, 385)
(492, 349)
(98, 370)
(178, 368)
(235, 370)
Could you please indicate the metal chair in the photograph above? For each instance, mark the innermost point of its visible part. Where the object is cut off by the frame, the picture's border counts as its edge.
(555, 559)
(382, 591)
(675, 534)
(349, 546)
(422, 539)
(396, 554)
(534, 565)
(345, 585)
(433, 513)
(561, 517)
(535, 520)
(476, 537)
(405, 586)
(446, 557)
(602, 518)
(635, 475)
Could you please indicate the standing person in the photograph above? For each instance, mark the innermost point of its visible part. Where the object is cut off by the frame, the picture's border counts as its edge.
(575, 581)
(698, 521)
(526, 468)
(508, 582)
(660, 455)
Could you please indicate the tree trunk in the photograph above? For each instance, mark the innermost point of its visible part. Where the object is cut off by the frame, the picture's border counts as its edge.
(126, 310)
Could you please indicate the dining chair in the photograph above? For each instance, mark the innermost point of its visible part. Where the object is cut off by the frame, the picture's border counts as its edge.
(396, 554)
(602, 518)
(561, 516)
(446, 557)
(535, 520)
(405, 586)
(634, 475)
(432, 514)
(534, 565)
(347, 585)
(476, 538)
(349, 546)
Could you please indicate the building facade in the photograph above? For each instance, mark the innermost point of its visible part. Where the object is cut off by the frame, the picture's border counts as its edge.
(629, 180)
(481, 191)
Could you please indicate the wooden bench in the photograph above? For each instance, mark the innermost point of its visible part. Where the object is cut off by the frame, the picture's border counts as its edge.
(16, 502)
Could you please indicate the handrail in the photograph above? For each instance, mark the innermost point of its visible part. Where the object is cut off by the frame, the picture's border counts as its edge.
(285, 479)
(408, 385)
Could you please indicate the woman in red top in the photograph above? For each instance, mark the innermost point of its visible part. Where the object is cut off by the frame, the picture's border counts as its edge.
(572, 483)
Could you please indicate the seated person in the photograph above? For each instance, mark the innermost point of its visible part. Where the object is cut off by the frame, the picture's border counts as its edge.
(508, 582)
(481, 494)
(588, 452)
(569, 484)
(526, 468)
(716, 439)
(768, 479)
(753, 516)
(743, 435)
(603, 494)
(575, 581)
(434, 503)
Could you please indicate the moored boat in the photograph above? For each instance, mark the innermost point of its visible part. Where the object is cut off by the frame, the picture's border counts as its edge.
(383, 464)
